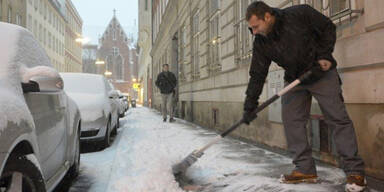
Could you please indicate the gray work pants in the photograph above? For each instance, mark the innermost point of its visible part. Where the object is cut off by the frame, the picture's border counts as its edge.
(296, 106)
(167, 105)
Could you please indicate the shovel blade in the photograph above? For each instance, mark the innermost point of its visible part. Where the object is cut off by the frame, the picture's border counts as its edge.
(182, 167)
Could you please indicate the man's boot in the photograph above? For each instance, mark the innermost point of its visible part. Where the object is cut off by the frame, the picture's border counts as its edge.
(355, 183)
(172, 120)
(296, 177)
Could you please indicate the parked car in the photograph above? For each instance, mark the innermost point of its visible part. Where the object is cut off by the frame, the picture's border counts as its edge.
(133, 103)
(98, 104)
(122, 105)
(39, 123)
(126, 103)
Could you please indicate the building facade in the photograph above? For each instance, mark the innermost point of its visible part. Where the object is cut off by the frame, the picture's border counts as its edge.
(89, 58)
(46, 19)
(120, 57)
(73, 31)
(144, 48)
(207, 43)
(13, 12)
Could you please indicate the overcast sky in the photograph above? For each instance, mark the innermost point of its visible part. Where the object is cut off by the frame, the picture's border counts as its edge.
(96, 15)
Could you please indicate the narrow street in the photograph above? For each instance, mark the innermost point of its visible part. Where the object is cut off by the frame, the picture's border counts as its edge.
(145, 148)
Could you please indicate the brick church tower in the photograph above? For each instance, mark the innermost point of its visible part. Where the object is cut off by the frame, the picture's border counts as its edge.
(116, 49)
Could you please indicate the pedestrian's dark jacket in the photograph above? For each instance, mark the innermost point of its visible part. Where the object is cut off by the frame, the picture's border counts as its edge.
(166, 82)
(299, 38)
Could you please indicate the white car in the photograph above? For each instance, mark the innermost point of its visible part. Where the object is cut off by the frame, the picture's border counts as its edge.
(122, 106)
(39, 123)
(98, 104)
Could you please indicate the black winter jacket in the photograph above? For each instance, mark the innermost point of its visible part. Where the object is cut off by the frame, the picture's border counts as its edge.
(299, 38)
(166, 82)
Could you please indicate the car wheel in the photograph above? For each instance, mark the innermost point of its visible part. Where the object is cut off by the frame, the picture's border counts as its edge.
(75, 168)
(107, 138)
(21, 171)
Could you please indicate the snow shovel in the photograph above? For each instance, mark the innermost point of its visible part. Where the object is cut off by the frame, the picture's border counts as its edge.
(180, 168)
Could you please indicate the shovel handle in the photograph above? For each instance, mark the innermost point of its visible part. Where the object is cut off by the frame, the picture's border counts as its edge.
(270, 100)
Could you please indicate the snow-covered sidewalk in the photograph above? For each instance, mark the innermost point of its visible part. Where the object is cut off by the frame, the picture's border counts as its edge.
(145, 148)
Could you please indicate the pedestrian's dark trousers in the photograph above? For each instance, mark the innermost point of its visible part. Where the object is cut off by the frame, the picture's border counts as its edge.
(296, 106)
(167, 105)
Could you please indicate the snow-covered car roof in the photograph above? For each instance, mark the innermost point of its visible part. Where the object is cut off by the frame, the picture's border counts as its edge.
(19, 52)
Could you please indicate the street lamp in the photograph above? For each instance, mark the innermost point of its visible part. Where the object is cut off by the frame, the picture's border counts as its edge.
(82, 40)
(99, 62)
(107, 73)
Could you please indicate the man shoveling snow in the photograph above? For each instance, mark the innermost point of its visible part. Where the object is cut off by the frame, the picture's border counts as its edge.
(298, 39)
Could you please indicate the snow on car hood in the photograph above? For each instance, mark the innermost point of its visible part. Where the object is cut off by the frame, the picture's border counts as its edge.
(18, 49)
(91, 106)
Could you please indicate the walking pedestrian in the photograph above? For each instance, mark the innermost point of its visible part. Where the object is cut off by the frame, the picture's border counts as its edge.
(298, 39)
(166, 81)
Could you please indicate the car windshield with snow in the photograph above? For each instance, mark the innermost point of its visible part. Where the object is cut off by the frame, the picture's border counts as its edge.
(97, 104)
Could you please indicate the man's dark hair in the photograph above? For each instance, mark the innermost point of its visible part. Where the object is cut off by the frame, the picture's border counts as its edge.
(259, 9)
(165, 65)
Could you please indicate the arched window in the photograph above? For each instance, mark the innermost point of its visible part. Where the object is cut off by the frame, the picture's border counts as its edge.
(109, 63)
(119, 68)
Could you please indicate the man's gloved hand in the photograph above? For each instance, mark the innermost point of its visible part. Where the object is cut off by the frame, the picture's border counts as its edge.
(317, 73)
(249, 116)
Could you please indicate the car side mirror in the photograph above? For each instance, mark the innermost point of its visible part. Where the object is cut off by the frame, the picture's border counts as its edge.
(113, 94)
(48, 84)
(42, 79)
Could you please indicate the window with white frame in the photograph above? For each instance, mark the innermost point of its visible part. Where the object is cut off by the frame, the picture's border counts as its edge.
(109, 63)
(1, 10)
(57, 46)
(214, 5)
(50, 16)
(115, 51)
(214, 36)
(195, 45)
(18, 19)
(36, 4)
(35, 28)
(114, 34)
(45, 11)
(9, 15)
(45, 36)
(41, 7)
(214, 41)
(49, 40)
(119, 68)
(238, 27)
(53, 42)
(338, 6)
(182, 53)
(246, 43)
(41, 33)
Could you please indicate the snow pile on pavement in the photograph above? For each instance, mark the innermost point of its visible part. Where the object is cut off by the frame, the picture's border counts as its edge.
(143, 163)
